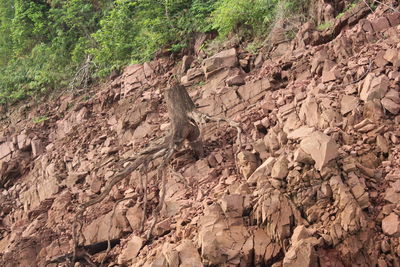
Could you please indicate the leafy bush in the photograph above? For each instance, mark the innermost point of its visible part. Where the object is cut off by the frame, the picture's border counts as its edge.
(253, 15)
(134, 30)
(43, 43)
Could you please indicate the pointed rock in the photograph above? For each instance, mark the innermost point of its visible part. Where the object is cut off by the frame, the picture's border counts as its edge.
(263, 171)
(321, 148)
(374, 87)
(348, 103)
(131, 250)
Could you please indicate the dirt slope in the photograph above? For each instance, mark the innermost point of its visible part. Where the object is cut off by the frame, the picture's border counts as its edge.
(317, 182)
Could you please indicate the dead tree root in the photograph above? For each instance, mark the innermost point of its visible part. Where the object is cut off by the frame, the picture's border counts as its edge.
(185, 121)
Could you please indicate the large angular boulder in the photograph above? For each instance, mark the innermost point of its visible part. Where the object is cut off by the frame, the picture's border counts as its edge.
(374, 87)
(302, 252)
(224, 59)
(321, 147)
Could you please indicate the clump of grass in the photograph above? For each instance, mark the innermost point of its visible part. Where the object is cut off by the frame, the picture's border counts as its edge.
(349, 7)
(254, 46)
(324, 26)
(40, 119)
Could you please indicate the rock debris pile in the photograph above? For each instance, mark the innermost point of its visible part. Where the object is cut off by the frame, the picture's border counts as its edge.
(317, 182)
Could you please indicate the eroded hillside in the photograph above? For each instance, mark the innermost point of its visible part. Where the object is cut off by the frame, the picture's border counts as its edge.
(316, 181)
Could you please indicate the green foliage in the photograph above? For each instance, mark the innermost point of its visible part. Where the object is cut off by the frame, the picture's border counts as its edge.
(254, 46)
(43, 43)
(349, 6)
(133, 31)
(40, 119)
(253, 15)
(324, 26)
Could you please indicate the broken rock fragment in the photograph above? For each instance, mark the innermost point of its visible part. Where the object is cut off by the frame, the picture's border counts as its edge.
(302, 157)
(226, 58)
(391, 225)
(390, 105)
(235, 80)
(374, 87)
(188, 255)
(300, 132)
(302, 252)
(247, 162)
(263, 171)
(393, 56)
(382, 144)
(131, 250)
(348, 104)
(321, 147)
(280, 169)
(222, 239)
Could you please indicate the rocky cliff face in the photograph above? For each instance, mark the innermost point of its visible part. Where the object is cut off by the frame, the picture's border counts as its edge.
(316, 184)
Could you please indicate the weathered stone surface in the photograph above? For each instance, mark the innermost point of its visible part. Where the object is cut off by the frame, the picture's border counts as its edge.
(373, 110)
(380, 24)
(224, 59)
(253, 91)
(359, 190)
(37, 147)
(374, 87)
(392, 56)
(194, 73)
(186, 62)
(392, 195)
(321, 148)
(280, 168)
(232, 205)
(271, 141)
(131, 250)
(390, 105)
(23, 142)
(382, 143)
(394, 95)
(348, 103)
(217, 246)
(350, 218)
(302, 252)
(188, 255)
(235, 80)
(276, 209)
(263, 171)
(134, 216)
(248, 163)
(330, 72)
(302, 157)
(391, 225)
(309, 112)
(105, 227)
(265, 249)
(380, 61)
(292, 123)
(394, 18)
(300, 133)
(5, 150)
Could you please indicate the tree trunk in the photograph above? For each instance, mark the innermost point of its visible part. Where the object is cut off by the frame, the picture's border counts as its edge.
(183, 126)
